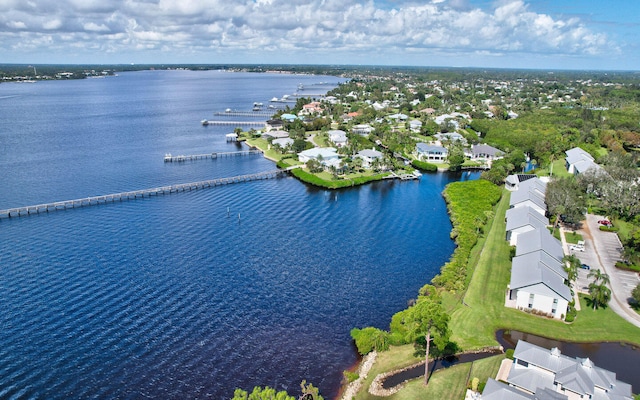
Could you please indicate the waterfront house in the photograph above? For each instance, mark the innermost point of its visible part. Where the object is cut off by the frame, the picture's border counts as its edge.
(283, 143)
(368, 156)
(431, 153)
(547, 374)
(276, 134)
(325, 154)
(484, 152)
(338, 137)
(311, 108)
(289, 117)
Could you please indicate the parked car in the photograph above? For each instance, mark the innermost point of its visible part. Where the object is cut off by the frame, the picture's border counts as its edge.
(605, 222)
(578, 246)
(585, 266)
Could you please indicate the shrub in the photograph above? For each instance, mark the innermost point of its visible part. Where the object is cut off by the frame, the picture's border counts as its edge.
(627, 266)
(369, 338)
(509, 354)
(609, 228)
(474, 384)
(350, 376)
(468, 202)
(424, 166)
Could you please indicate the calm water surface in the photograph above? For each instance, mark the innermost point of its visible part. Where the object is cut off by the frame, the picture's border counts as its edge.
(173, 296)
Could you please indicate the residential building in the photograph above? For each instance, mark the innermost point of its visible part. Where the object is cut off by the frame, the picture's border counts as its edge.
(323, 153)
(338, 137)
(579, 161)
(362, 129)
(547, 374)
(368, 156)
(431, 153)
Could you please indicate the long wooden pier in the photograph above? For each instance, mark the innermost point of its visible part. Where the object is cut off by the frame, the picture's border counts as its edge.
(136, 194)
(206, 122)
(192, 157)
(254, 114)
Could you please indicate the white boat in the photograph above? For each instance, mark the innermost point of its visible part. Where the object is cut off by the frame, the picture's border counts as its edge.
(205, 122)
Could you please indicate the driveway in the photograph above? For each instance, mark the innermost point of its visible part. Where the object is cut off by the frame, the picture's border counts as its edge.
(602, 251)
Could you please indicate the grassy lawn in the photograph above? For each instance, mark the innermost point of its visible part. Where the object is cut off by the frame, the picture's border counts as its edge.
(572, 237)
(474, 324)
(559, 169)
(475, 320)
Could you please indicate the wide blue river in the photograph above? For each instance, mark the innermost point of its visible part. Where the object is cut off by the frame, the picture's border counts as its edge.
(174, 296)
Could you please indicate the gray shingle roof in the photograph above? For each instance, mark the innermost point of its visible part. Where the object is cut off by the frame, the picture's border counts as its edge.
(522, 195)
(521, 212)
(495, 390)
(525, 216)
(538, 279)
(577, 374)
(542, 259)
(541, 239)
(577, 154)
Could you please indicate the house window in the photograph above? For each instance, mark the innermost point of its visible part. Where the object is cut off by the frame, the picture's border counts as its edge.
(555, 306)
(531, 300)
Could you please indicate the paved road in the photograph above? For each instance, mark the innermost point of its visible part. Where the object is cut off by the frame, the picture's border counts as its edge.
(602, 250)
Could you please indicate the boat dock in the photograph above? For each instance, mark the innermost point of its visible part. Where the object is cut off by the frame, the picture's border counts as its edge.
(255, 114)
(192, 157)
(136, 194)
(206, 122)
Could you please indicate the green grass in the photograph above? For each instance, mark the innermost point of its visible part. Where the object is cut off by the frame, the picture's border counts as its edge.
(474, 324)
(475, 321)
(572, 237)
(559, 169)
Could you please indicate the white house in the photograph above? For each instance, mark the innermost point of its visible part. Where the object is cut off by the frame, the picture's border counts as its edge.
(338, 137)
(362, 129)
(323, 153)
(484, 152)
(368, 156)
(283, 143)
(415, 125)
(275, 134)
(579, 161)
(547, 374)
(529, 198)
(537, 287)
(431, 153)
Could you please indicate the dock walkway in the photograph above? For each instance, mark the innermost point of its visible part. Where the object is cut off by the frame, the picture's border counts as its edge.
(192, 157)
(112, 198)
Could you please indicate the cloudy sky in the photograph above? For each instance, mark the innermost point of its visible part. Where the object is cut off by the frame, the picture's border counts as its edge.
(564, 34)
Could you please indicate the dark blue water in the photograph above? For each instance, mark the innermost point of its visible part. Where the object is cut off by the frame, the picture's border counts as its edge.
(171, 296)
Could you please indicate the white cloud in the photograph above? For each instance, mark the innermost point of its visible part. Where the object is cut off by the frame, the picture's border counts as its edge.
(345, 27)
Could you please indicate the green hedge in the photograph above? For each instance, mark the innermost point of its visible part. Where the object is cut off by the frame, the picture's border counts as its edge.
(468, 203)
(424, 166)
(337, 184)
(627, 267)
(608, 228)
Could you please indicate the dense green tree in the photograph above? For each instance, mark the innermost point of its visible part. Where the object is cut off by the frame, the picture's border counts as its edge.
(565, 200)
(455, 157)
(260, 393)
(428, 319)
(572, 263)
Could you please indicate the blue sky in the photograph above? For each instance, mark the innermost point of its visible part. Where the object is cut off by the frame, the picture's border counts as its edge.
(545, 34)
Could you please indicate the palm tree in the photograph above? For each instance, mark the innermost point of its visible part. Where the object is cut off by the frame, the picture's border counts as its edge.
(599, 277)
(598, 290)
(572, 263)
(600, 295)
